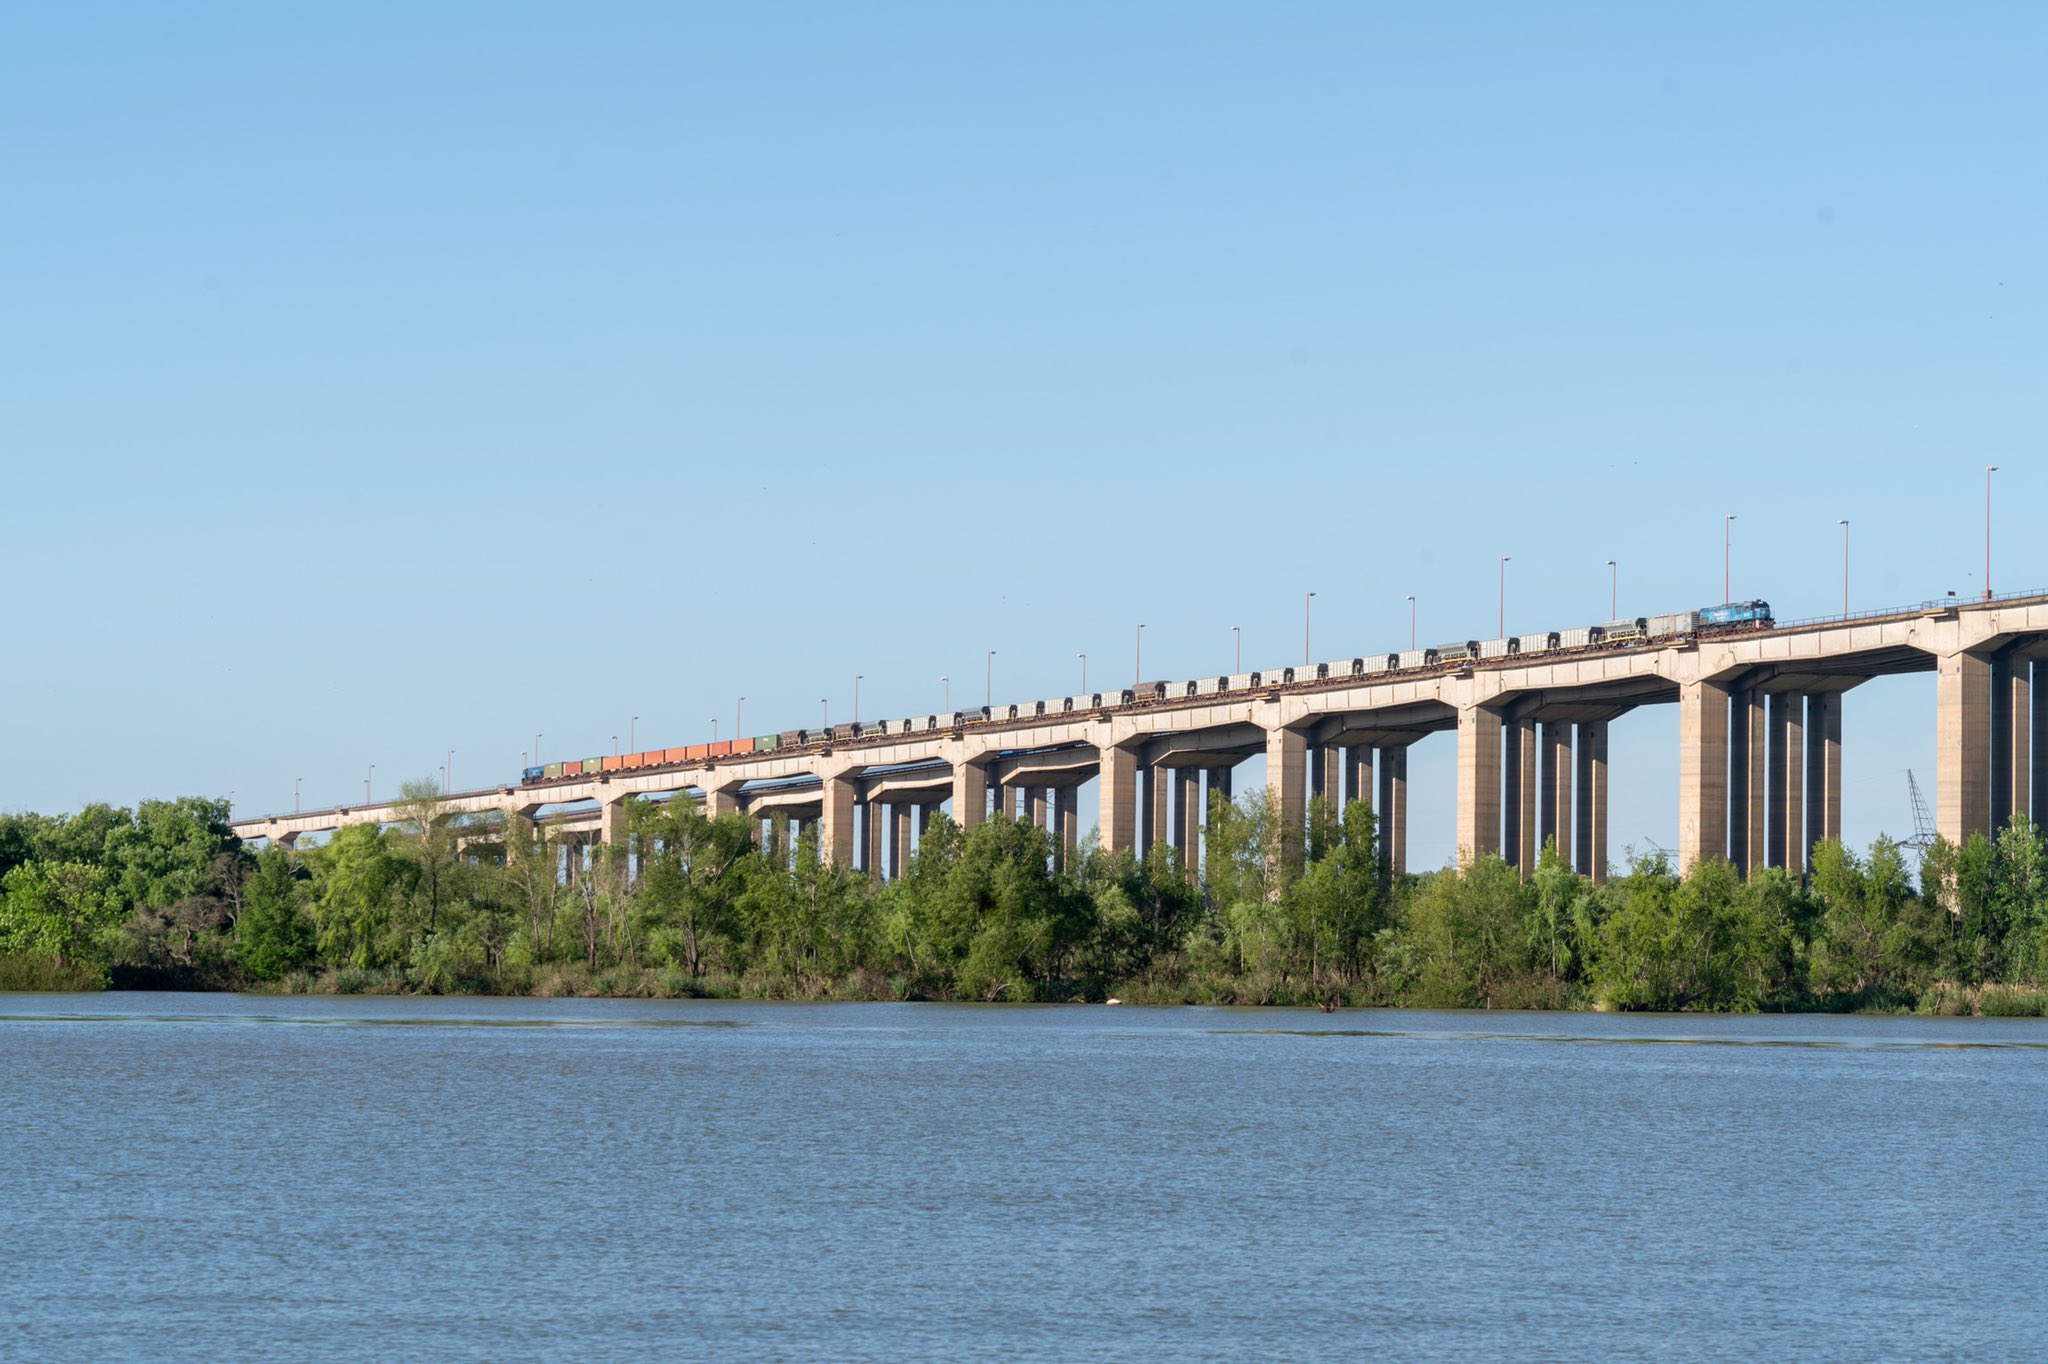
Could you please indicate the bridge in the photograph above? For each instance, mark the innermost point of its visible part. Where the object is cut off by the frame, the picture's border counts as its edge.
(1759, 736)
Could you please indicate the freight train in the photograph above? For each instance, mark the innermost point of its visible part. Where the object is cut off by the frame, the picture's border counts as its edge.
(1708, 621)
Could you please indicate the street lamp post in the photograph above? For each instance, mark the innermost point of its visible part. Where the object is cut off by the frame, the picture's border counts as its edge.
(1845, 568)
(448, 770)
(367, 778)
(856, 698)
(1989, 470)
(1727, 538)
(1502, 632)
(737, 728)
(1084, 673)
(1305, 655)
(1411, 622)
(947, 683)
(825, 714)
(615, 745)
(536, 750)
(1237, 648)
(988, 681)
(1138, 658)
(1613, 591)
(714, 729)
(297, 782)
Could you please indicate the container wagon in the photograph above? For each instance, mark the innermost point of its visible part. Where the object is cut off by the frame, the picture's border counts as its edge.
(1672, 624)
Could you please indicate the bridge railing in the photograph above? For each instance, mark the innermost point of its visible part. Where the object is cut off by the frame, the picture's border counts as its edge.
(1911, 609)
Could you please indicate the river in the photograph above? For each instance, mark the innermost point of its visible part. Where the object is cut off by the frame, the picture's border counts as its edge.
(190, 1177)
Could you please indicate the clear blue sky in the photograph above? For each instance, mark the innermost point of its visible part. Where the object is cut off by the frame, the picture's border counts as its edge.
(377, 380)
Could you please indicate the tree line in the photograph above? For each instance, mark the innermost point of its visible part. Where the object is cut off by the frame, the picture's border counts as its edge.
(164, 895)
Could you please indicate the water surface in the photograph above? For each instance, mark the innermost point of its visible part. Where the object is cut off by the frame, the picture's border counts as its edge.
(220, 1176)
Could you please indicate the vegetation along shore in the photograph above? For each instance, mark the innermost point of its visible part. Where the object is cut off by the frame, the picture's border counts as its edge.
(164, 896)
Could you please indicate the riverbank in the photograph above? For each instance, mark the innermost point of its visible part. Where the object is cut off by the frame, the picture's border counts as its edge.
(1945, 999)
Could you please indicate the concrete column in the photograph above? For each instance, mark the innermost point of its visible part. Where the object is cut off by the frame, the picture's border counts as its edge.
(1702, 773)
(1219, 781)
(1117, 789)
(1158, 811)
(1069, 799)
(2037, 800)
(835, 835)
(1519, 819)
(1479, 745)
(611, 822)
(2021, 691)
(1787, 835)
(1327, 776)
(1823, 771)
(1745, 779)
(1038, 795)
(1358, 775)
(899, 840)
(2012, 737)
(1554, 758)
(521, 824)
(1589, 849)
(1286, 757)
(871, 837)
(970, 794)
(1188, 809)
(1394, 810)
(1962, 785)
(925, 815)
(778, 838)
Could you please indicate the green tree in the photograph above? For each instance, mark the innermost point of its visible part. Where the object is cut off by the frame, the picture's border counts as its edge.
(274, 936)
(66, 911)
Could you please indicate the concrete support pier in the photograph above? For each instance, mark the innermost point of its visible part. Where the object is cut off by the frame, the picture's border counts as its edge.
(1589, 852)
(1702, 773)
(1393, 811)
(1117, 789)
(1479, 745)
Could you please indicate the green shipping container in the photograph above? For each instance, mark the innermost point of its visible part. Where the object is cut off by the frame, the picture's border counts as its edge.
(593, 764)
(767, 743)
(554, 770)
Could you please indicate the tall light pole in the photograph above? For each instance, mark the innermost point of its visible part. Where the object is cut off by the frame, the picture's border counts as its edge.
(947, 683)
(1989, 470)
(1237, 649)
(1727, 539)
(536, 750)
(1305, 655)
(633, 734)
(856, 698)
(714, 729)
(1502, 633)
(448, 770)
(297, 782)
(615, 745)
(1411, 622)
(738, 728)
(825, 714)
(1845, 567)
(1084, 673)
(1138, 658)
(988, 681)
(366, 783)
(1613, 591)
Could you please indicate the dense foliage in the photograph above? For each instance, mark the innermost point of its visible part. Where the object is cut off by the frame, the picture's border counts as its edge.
(165, 895)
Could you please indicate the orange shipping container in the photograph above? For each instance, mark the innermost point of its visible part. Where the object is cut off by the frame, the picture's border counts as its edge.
(719, 749)
(696, 753)
(572, 769)
(743, 745)
(614, 764)
(675, 755)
